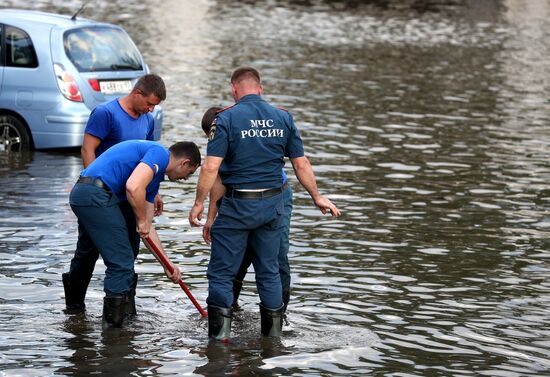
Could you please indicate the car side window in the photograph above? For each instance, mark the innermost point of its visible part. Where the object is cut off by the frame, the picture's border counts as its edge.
(1, 37)
(19, 49)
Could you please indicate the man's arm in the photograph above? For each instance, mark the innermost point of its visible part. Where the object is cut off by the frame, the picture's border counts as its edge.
(217, 191)
(304, 173)
(89, 145)
(159, 205)
(136, 186)
(144, 211)
(153, 236)
(207, 177)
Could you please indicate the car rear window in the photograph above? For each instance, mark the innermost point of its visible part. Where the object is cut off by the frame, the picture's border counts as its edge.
(94, 49)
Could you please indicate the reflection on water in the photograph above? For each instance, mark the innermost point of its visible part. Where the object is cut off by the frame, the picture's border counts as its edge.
(426, 122)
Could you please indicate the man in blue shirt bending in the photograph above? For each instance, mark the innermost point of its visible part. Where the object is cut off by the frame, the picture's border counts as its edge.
(129, 171)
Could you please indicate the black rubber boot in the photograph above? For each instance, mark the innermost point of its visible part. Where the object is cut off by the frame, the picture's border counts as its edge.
(130, 309)
(219, 323)
(286, 298)
(272, 321)
(237, 286)
(75, 292)
(113, 310)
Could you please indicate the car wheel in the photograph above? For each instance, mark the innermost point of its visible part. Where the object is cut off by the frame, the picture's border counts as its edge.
(13, 134)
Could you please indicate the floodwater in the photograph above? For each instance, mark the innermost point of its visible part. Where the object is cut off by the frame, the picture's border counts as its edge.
(426, 123)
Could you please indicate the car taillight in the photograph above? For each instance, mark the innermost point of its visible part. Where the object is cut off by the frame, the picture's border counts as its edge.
(66, 83)
(94, 83)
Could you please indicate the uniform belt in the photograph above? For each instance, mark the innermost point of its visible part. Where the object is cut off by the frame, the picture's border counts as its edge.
(238, 194)
(93, 181)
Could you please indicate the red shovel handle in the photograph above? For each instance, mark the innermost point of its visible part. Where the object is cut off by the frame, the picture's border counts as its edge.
(166, 264)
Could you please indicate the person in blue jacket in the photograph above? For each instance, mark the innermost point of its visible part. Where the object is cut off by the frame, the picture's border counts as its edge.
(251, 139)
(128, 171)
(208, 120)
(124, 118)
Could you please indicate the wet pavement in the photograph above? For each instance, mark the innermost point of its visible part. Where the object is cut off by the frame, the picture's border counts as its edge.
(427, 127)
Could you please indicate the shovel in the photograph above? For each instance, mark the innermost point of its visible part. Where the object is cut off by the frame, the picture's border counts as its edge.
(167, 265)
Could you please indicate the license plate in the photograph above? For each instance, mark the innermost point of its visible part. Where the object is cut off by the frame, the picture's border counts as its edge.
(118, 86)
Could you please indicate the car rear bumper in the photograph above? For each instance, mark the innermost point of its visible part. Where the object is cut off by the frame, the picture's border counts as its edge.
(66, 130)
(60, 132)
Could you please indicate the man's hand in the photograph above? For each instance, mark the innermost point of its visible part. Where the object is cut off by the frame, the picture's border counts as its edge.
(175, 276)
(195, 216)
(305, 175)
(143, 228)
(159, 205)
(326, 205)
(206, 235)
(207, 178)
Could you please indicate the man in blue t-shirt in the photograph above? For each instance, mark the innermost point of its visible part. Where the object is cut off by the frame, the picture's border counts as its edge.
(124, 118)
(251, 139)
(121, 119)
(131, 170)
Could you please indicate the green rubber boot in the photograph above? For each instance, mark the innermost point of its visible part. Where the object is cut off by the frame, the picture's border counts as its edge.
(272, 321)
(219, 323)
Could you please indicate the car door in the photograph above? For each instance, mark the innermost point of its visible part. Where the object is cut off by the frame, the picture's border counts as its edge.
(1, 56)
(29, 88)
(20, 68)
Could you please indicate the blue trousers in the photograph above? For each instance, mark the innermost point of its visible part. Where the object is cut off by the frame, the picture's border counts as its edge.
(86, 253)
(284, 265)
(243, 222)
(106, 226)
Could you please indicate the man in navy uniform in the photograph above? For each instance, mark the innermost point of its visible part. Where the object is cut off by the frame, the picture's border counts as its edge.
(132, 171)
(208, 120)
(251, 139)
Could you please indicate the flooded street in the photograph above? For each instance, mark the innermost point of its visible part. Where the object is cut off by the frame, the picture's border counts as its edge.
(427, 126)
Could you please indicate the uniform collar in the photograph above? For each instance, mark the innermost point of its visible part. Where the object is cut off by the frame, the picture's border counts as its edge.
(249, 98)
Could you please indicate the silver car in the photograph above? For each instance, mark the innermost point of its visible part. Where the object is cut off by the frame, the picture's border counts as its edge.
(54, 70)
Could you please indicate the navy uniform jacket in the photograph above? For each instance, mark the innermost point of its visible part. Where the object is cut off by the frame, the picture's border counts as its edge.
(253, 137)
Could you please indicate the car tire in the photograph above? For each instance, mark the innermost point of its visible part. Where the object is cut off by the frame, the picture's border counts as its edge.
(14, 136)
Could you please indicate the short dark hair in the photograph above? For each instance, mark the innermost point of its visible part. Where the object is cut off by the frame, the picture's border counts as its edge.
(243, 73)
(188, 150)
(208, 118)
(151, 84)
